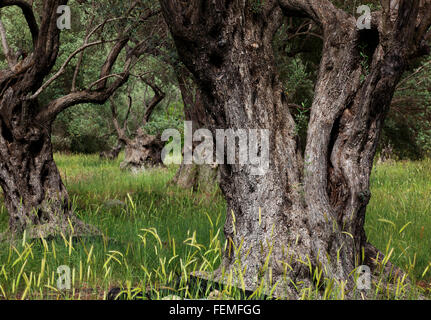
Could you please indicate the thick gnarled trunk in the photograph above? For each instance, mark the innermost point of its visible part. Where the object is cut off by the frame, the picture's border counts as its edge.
(143, 152)
(34, 194)
(240, 87)
(303, 213)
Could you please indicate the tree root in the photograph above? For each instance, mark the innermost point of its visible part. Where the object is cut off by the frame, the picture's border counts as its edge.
(386, 280)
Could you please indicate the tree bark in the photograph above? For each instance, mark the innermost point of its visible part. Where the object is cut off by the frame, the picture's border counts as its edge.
(192, 176)
(34, 193)
(143, 152)
(113, 153)
(305, 215)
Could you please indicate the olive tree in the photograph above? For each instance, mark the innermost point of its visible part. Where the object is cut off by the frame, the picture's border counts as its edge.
(308, 211)
(35, 196)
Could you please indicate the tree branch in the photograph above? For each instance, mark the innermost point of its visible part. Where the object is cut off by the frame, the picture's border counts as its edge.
(102, 93)
(63, 67)
(110, 61)
(129, 109)
(121, 132)
(81, 56)
(85, 96)
(322, 12)
(420, 69)
(102, 79)
(159, 95)
(47, 46)
(90, 34)
(86, 40)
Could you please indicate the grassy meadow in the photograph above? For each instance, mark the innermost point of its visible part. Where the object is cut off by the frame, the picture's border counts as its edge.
(155, 233)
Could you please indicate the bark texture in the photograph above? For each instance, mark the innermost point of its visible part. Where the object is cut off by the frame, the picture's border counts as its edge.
(303, 212)
(144, 151)
(34, 194)
(192, 176)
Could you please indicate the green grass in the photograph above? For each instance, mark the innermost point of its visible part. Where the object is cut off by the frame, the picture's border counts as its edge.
(156, 231)
(179, 219)
(399, 214)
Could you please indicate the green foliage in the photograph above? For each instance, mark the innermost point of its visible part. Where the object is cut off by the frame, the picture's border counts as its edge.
(297, 62)
(408, 125)
(351, 6)
(82, 129)
(18, 38)
(365, 60)
(88, 128)
(301, 120)
(159, 123)
(299, 84)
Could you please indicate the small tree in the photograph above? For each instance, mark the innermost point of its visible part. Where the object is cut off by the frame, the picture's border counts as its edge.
(141, 149)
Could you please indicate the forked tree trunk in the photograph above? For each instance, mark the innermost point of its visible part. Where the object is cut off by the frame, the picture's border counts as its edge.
(307, 213)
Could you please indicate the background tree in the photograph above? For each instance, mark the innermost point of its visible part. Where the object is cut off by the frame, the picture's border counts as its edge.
(188, 176)
(192, 176)
(306, 213)
(142, 150)
(153, 76)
